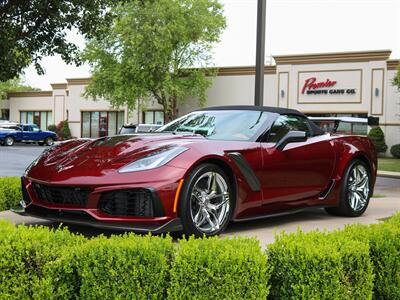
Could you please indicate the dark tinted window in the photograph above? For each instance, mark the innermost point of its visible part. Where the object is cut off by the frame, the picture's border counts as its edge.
(127, 130)
(286, 123)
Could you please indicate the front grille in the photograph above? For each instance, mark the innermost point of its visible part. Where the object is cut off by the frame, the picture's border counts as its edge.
(61, 195)
(129, 203)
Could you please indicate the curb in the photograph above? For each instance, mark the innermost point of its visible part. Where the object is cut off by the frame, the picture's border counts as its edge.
(388, 174)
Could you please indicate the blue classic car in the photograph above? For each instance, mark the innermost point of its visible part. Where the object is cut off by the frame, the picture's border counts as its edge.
(27, 133)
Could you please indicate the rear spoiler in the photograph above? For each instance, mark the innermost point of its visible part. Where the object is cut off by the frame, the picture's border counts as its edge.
(371, 121)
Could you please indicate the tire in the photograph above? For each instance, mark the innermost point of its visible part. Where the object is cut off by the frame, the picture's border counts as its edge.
(49, 141)
(40, 143)
(200, 214)
(355, 191)
(9, 141)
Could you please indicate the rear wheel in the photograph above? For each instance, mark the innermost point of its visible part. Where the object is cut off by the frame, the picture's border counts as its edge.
(206, 204)
(9, 141)
(49, 141)
(355, 192)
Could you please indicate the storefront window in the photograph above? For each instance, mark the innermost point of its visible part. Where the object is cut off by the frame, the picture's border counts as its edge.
(4, 114)
(153, 117)
(41, 118)
(101, 123)
(86, 124)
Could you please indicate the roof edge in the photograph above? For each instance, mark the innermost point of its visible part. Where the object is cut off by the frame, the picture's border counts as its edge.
(393, 64)
(333, 57)
(30, 94)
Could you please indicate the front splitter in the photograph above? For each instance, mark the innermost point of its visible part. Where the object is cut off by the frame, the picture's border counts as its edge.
(82, 218)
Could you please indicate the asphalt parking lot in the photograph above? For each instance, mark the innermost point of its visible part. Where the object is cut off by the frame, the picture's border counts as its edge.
(14, 160)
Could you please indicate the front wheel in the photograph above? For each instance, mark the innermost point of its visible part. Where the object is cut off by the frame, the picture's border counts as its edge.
(207, 201)
(355, 192)
(9, 141)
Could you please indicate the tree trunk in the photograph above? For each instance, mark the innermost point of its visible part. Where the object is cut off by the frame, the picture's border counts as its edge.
(170, 112)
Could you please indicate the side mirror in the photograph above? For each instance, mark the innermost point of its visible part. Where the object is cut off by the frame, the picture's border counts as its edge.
(291, 137)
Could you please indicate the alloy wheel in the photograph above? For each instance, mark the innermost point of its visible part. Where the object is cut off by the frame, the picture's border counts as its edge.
(9, 141)
(358, 188)
(209, 202)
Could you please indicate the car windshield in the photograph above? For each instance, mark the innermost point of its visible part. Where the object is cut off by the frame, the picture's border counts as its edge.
(231, 125)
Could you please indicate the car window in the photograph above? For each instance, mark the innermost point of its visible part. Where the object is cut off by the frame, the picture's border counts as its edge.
(127, 130)
(27, 128)
(35, 128)
(286, 123)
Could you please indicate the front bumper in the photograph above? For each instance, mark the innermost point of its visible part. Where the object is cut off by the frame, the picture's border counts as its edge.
(92, 214)
(82, 218)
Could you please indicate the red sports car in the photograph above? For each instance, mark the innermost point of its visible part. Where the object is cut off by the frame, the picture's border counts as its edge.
(201, 171)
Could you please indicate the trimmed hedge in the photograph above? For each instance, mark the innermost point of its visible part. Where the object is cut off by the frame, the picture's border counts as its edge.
(216, 268)
(319, 265)
(359, 262)
(10, 192)
(120, 267)
(25, 253)
(384, 243)
(395, 150)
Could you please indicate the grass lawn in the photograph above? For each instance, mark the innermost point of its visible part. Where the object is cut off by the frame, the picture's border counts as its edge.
(389, 164)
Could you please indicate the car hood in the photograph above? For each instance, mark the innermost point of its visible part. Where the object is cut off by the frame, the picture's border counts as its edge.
(87, 157)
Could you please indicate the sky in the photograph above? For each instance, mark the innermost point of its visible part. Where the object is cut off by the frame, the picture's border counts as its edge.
(292, 27)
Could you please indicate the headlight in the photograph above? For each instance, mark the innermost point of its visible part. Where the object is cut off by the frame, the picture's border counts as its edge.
(154, 160)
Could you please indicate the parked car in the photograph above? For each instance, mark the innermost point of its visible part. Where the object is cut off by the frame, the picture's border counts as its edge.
(138, 128)
(201, 171)
(27, 133)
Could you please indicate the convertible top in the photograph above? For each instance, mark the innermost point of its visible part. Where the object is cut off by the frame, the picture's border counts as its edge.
(277, 110)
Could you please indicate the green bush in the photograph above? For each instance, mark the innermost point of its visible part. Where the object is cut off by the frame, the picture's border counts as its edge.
(384, 243)
(10, 192)
(378, 139)
(319, 265)
(395, 150)
(359, 262)
(219, 269)
(120, 267)
(52, 127)
(24, 254)
(63, 131)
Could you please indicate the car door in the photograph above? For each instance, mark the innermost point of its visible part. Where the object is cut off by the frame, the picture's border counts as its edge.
(27, 132)
(301, 170)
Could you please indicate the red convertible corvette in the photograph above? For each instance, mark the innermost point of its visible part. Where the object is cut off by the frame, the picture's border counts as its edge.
(201, 171)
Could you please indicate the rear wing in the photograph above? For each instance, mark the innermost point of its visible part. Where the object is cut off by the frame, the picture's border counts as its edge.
(332, 123)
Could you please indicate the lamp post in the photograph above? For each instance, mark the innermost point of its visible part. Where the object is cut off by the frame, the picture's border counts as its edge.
(260, 53)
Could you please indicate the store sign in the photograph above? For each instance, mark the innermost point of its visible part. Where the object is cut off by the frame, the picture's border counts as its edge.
(330, 86)
(312, 87)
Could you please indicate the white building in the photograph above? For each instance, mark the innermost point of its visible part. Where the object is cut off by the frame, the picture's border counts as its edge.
(325, 84)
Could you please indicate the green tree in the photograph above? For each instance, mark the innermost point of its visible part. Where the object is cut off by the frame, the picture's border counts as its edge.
(36, 28)
(156, 49)
(14, 85)
(396, 79)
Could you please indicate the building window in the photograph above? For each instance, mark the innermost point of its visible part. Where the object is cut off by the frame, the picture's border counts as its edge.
(101, 123)
(41, 118)
(344, 127)
(153, 117)
(4, 114)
